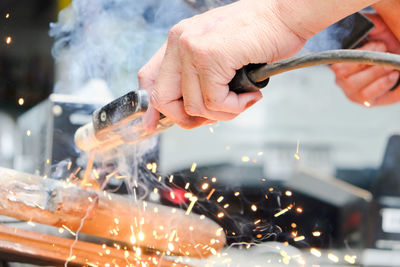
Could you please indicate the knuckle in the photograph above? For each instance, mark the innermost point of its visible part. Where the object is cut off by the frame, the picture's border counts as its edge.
(201, 54)
(192, 109)
(142, 74)
(178, 29)
(386, 82)
(155, 99)
(211, 102)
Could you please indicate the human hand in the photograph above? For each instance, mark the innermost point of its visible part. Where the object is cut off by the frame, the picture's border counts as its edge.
(187, 79)
(371, 85)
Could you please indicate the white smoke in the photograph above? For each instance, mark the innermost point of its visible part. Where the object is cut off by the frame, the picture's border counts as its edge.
(110, 40)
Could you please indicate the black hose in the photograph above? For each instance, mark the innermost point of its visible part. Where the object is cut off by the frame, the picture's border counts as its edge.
(326, 57)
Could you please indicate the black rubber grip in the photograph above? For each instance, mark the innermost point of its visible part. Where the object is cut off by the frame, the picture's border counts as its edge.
(242, 83)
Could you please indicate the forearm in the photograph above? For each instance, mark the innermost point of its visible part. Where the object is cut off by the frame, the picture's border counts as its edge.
(389, 11)
(308, 17)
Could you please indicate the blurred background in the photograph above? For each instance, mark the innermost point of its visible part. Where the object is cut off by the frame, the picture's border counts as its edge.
(304, 139)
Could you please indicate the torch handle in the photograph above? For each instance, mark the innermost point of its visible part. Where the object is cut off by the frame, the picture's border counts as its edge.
(243, 82)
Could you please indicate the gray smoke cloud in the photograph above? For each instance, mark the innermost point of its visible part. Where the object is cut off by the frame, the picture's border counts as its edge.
(110, 40)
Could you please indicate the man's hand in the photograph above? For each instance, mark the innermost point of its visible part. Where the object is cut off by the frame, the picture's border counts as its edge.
(187, 79)
(370, 85)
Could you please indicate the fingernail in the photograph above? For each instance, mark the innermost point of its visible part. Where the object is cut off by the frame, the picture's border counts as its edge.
(394, 76)
(250, 103)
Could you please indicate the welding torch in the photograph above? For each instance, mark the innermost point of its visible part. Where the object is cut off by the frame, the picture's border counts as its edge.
(119, 122)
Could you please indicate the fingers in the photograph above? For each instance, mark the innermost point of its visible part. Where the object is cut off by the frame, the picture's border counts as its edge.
(366, 85)
(193, 90)
(361, 79)
(384, 97)
(147, 76)
(344, 70)
(167, 95)
(382, 33)
(192, 95)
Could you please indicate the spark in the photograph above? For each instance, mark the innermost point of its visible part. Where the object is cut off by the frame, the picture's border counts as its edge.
(193, 168)
(316, 233)
(299, 210)
(108, 251)
(293, 225)
(213, 179)
(69, 230)
(260, 153)
(226, 205)
(204, 186)
(213, 251)
(211, 129)
(73, 257)
(8, 40)
(191, 228)
(283, 211)
(116, 220)
(202, 216)
(333, 257)
(21, 101)
(133, 239)
(210, 194)
(254, 208)
(301, 261)
(245, 159)
(299, 238)
(237, 194)
(69, 165)
(138, 252)
(187, 186)
(28, 132)
(31, 223)
(220, 199)
(171, 178)
(171, 247)
(96, 175)
(7, 15)
(141, 236)
(219, 231)
(172, 235)
(288, 193)
(149, 166)
(367, 104)
(154, 167)
(296, 155)
(350, 259)
(191, 205)
(228, 148)
(220, 214)
(61, 230)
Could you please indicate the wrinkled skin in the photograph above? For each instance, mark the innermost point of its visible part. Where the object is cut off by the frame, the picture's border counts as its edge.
(370, 85)
(210, 47)
(187, 79)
